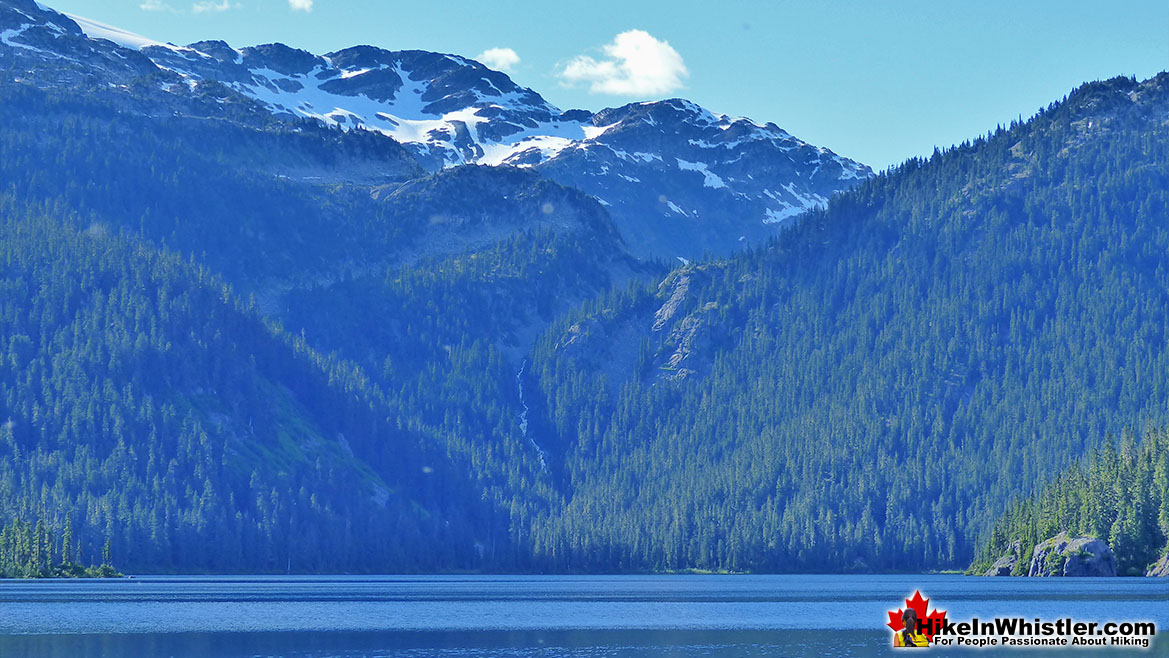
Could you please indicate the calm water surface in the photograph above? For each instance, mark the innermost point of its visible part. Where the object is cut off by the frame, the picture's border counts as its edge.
(532, 616)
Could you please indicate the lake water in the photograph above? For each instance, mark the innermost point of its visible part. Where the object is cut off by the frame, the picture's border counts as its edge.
(533, 616)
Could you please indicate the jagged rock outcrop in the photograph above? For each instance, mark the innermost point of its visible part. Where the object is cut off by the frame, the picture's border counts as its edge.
(1160, 568)
(1005, 565)
(1063, 555)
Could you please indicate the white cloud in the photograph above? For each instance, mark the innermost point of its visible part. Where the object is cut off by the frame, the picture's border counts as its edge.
(207, 6)
(301, 5)
(501, 59)
(154, 5)
(635, 64)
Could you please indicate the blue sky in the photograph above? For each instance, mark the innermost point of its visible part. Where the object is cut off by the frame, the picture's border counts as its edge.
(875, 81)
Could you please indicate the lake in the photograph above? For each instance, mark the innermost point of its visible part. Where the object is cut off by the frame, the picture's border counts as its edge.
(532, 616)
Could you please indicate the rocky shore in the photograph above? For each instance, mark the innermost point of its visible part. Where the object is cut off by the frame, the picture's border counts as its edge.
(1068, 556)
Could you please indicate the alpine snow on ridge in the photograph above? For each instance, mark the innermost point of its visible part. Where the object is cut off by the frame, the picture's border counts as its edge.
(678, 180)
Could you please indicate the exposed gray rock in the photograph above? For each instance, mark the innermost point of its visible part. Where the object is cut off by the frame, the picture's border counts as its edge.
(1072, 556)
(1160, 568)
(1005, 565)
(680, 180)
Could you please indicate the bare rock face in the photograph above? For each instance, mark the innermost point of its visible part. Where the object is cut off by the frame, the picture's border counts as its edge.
(1160, 568)
(1005, 565)
(1002, 566)
(1072, 556)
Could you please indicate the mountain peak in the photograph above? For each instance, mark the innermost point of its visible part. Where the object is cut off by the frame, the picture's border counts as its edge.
(678, 178)
(281, 59)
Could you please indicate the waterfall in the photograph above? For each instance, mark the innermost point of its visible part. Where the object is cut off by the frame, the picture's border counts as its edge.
(519, 380)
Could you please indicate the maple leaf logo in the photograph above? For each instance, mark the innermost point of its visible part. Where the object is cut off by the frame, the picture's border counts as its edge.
(929, 623)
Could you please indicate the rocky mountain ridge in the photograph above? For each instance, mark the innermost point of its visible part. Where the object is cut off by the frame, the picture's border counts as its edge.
(678, 179)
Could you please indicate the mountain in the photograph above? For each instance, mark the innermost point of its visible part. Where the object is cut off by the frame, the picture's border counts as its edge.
(44, 49)
(678, 179)
(237, 339)
(871, 390)
(208, 250)
(422, 292)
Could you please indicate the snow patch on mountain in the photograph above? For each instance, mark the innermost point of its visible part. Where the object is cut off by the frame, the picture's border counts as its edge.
(7, 35)
(710, 179)
(677, 178)
(771, 216)
(400, 94)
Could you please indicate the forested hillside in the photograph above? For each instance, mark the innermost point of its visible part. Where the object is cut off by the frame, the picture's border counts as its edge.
(266, 203)
(871, 390)
(147, 407)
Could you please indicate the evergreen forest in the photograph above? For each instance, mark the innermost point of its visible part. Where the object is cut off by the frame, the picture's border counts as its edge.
(240, 346)
(1118, 494)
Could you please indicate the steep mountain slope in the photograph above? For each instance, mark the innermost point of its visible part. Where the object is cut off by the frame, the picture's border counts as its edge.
(679, 180)
(32, 34)
(871, 390)
(43, 49)
(147, 407)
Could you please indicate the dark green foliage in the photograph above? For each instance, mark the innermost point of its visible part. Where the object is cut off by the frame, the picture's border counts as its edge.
(146, 406)
(447, 337)
(253, 204)
(35, 551)
(1120, 496)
